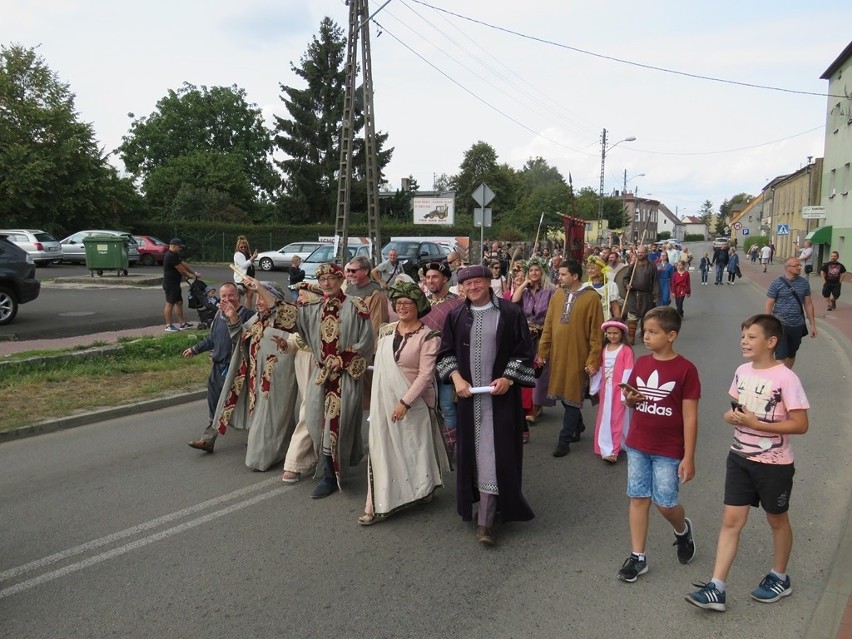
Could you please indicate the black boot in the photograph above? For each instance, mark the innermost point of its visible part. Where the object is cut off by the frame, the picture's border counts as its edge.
(328, 483)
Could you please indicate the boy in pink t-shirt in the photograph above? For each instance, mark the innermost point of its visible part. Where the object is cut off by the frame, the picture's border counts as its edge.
(769, 405)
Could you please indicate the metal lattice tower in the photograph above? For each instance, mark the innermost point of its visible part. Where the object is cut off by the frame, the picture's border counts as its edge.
(359, 26)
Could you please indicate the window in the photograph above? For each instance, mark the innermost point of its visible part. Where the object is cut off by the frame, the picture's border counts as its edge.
(832, 183)
(844, 187)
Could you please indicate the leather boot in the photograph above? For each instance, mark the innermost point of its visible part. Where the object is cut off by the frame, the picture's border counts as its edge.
(631, 331)
(328, 483)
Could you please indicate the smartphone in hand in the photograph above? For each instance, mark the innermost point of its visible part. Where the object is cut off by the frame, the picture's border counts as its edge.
(736, 406)
(631, 389)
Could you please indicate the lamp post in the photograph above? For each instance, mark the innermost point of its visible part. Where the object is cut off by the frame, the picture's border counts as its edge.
(603, 166)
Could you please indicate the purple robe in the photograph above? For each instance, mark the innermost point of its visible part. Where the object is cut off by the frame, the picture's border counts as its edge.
(513, 355)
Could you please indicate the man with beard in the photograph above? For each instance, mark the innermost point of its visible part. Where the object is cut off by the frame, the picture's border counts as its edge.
(485, 344)
(643, 290)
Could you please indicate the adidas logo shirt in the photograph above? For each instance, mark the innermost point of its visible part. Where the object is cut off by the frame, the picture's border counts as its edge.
(656, 426)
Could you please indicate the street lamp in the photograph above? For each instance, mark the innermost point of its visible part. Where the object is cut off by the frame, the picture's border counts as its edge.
(603, 166)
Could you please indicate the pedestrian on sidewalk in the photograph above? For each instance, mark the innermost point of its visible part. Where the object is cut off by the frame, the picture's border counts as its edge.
(733, 266)
(765, 256)
(806, 257)
(720, 261)
(789, 299)
(768, 406)
(174, 270)
(661, 440)
(831, 274)
(218, 342)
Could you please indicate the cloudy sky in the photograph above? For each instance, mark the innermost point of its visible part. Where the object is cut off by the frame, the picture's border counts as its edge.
(443, 82)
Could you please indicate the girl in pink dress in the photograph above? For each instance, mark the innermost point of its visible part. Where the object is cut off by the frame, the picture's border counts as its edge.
(613, 416)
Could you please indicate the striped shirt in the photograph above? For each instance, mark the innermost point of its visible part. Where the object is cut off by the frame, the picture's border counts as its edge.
(787, 308)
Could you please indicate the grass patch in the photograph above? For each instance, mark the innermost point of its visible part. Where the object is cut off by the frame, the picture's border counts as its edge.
(147, 368)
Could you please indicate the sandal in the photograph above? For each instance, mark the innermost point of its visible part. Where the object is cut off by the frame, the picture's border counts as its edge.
(611, 459)
(293, 477)
(368, 520)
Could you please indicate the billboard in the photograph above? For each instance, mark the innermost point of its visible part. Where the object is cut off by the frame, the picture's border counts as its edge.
(434, 210)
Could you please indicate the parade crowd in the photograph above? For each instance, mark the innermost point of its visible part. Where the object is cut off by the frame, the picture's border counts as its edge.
(451, 370)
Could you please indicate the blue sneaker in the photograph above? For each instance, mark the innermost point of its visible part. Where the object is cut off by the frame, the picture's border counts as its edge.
(771, 589)
(171, 328)
(708, 597)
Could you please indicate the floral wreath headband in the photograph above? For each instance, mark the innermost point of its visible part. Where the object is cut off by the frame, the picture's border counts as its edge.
(329, 269)
(536, 261)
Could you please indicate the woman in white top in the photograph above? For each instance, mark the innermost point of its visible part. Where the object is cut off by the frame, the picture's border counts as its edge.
(244, 261)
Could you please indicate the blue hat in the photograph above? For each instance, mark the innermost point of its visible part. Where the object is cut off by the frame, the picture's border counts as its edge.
(177, 241)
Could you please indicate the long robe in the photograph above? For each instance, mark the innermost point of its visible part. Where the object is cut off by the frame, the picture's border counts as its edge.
(645, 291)
(513, 360)
(570, 341)
(613, 416)
(260, 392)
(535, 305)
(334, 326)
(407, 457)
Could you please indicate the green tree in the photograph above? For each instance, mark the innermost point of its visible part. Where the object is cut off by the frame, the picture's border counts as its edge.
(310, 137)
(725, 209)
(52, 173)
(480, 165)
(705, 213)
(201, 138)
(543, 190)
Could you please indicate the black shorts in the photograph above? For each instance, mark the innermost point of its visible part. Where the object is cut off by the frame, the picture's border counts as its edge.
(831, 289)
(749, 483)
(173, 293)
(789, 343)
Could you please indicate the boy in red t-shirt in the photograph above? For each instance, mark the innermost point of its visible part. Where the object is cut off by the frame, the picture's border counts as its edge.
(661, 440)
(769, 405)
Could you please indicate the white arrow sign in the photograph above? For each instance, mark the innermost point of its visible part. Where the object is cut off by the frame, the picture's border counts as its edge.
(483, 195)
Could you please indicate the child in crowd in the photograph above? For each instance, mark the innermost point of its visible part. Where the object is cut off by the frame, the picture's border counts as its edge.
(661, 440)
(613, 416)
(769, 405)
(704, 267)
(681, 286)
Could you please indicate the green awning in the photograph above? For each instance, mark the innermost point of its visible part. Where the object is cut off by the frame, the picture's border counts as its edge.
(822, 235)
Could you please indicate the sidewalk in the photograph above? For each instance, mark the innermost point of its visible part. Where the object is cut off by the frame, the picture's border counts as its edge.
(110, 337)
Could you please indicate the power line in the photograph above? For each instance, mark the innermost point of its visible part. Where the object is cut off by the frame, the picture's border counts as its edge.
(632, 63)
(742, 148)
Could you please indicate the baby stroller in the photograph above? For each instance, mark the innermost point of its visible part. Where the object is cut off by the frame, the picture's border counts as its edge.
(204, 304)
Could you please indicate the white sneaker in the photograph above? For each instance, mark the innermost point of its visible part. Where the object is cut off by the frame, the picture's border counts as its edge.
(171, 328)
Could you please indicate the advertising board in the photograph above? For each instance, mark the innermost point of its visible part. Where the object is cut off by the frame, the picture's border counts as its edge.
(434, 210)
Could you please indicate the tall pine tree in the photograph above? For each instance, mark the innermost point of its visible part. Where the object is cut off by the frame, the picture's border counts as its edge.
(310, 137)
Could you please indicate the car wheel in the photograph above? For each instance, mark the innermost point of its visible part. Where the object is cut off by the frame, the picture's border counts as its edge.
(8, 305)
(266, 264)
(148, 259)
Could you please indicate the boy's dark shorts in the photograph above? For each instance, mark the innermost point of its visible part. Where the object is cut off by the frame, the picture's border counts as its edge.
(749, 483)
(173, 294)
(790, 341)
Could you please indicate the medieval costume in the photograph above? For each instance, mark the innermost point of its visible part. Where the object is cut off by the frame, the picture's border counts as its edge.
(482, 344)
(643, 294)
(613, 415)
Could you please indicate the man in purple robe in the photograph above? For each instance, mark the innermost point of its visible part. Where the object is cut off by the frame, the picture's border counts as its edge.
(485, 344)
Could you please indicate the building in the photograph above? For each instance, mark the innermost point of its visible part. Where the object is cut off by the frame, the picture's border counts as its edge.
(692, 225)
(837, 226)
(786, 196)
(748, 221)
(669, 223)
(642, 214)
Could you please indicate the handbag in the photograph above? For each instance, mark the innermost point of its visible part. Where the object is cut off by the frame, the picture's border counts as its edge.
(802, 306)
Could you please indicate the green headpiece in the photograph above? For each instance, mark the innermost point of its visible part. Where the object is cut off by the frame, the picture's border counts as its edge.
(410, 290)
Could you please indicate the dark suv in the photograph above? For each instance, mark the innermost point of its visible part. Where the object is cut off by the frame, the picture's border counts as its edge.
(18, 284)
(413, 255)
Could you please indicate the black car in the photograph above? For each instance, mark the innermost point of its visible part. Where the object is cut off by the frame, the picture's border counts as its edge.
(413, 255)
(18, 284)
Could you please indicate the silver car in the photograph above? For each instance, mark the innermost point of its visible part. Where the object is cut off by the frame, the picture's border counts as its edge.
(73, 250)
(280, 259)
(41, 246)
(325, 254)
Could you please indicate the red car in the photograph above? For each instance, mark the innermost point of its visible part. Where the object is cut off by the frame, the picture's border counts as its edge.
(151, 250)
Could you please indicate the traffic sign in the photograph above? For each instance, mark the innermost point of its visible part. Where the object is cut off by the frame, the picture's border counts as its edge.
(745, 231)
(482, 194)
(738, 225)
(783, 229)
(477, 217)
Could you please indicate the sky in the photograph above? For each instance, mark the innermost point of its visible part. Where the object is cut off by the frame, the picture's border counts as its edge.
(443, 83)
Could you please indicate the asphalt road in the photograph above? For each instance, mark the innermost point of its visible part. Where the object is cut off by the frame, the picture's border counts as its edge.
(67, 310)
(120, 530)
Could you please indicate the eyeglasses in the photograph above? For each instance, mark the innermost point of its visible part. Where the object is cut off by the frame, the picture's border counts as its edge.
(327, 278)
(354, 270)
(402, 304)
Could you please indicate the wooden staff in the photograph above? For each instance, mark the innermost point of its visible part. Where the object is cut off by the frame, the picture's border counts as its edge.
(538, 231)
(632, 275)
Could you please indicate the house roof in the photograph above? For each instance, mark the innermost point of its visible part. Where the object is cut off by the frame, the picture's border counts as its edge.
(692, 219)
(843, 57)
(667, 212)
(748, 207)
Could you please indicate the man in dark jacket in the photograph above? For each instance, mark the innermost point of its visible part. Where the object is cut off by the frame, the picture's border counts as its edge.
(720, 261)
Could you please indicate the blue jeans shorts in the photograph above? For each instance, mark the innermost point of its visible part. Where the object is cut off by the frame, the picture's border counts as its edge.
(653, 476)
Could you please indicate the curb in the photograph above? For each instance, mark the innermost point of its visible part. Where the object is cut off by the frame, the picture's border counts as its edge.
(64, 423)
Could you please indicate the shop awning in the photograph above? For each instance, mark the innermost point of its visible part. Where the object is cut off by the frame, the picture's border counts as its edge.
(822, 235)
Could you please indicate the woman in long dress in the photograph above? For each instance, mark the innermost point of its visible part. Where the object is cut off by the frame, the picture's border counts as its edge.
(407, 455)
(664, 276)
(260, 389)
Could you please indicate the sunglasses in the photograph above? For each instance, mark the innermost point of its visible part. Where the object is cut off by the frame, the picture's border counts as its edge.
(354, 270)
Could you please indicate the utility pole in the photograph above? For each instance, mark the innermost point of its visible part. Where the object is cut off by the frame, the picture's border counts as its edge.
(359, 26)
(600, 193)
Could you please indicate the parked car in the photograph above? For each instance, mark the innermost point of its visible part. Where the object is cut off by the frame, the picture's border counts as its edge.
(721, 241)
(18, 284)
(414, 254)
(152, 250)
(42, 247)
(73, 250)
(325, 254)
(280, 259)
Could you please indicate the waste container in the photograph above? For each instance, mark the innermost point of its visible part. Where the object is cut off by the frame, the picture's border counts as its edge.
(106, 253)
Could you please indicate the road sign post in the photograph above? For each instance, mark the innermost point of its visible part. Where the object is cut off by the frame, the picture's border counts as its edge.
(482, 195)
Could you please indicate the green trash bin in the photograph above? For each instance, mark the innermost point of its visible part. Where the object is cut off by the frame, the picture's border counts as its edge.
(106, 253)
